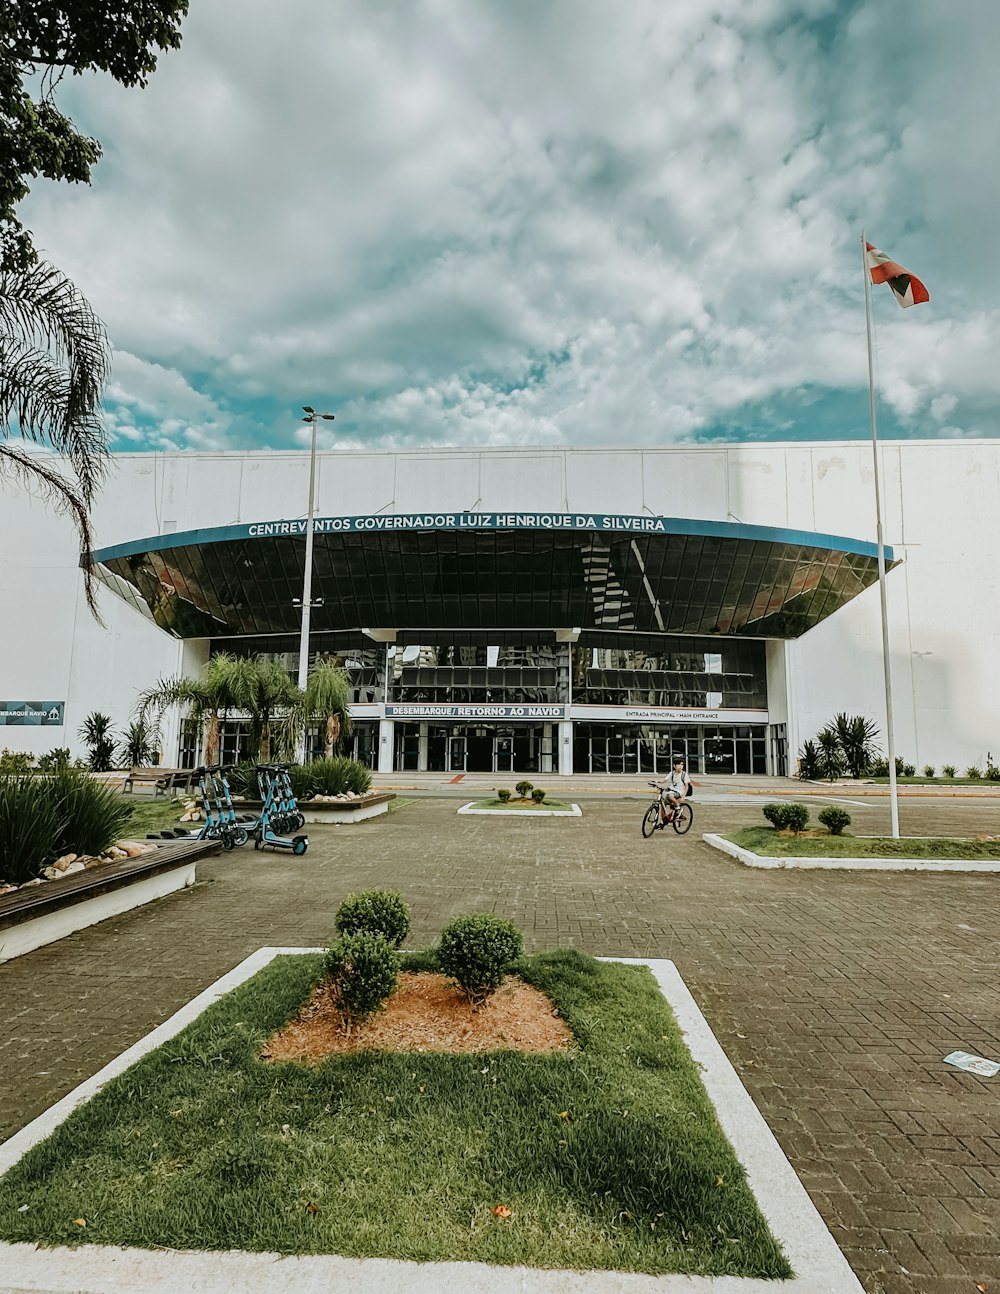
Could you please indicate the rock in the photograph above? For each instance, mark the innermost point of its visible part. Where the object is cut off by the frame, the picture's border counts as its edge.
(133, 849)
(65, 861)
(7, 889)
(95, 862)
(78, 866)
(28, 884)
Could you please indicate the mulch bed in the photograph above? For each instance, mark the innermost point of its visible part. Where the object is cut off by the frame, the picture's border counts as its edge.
(426, 1013)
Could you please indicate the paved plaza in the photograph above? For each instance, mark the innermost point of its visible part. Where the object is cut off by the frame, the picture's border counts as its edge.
(834, 994)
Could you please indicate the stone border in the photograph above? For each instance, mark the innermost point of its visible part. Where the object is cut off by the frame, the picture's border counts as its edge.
(783, 1200)
(750, 859)
(341, 813)
(574, 811)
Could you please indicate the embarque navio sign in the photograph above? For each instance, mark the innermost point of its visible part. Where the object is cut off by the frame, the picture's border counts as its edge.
(464, 521)
(31, 714)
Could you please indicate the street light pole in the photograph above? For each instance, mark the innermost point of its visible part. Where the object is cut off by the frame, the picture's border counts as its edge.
(312, 417)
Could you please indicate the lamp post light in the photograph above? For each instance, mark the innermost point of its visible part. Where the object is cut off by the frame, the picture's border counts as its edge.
(311, 417)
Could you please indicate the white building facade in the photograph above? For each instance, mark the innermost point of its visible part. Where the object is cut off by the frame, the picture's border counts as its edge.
(541, 610)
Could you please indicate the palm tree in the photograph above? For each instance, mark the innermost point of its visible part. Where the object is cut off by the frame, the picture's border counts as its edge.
(858, 740)
(54, 363)
(264, 689)
(95, 733)
(327, 696)
(205, 699)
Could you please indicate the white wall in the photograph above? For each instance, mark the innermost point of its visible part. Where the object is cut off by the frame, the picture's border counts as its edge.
(51, 648)
(940, 508)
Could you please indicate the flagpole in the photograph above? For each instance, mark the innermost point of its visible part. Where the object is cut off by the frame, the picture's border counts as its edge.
(886, 671)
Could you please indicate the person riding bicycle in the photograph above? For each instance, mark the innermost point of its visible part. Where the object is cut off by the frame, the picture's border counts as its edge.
(676, 787)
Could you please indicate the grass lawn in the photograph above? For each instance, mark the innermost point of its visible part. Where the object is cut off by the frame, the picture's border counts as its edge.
(558, 806)
(154, 815)
(765, 840)
(609, 1156)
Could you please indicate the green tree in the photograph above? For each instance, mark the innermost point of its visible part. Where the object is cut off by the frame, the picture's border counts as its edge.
(54, 362)
(205, 699)
(327, 696)
(264, 690)
(40, 41)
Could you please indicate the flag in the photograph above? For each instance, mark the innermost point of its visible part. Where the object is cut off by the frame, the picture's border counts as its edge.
(906, 287)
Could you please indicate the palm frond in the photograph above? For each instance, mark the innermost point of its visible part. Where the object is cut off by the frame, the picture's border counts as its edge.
(65, 498)
(55, 359)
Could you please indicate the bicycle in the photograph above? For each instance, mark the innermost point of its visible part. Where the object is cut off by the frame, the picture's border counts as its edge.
(680, 818)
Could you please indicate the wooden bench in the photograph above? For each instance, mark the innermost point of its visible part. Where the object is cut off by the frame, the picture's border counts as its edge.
(162, 779)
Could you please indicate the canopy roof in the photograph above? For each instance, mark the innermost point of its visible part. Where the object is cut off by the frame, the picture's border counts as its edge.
(513, 571)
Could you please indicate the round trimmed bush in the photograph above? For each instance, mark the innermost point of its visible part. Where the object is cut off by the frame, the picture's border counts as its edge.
(364, 971)
(796, 817)
(835, 820)
(523, 789)
(476, 950)
(504, 795)
(537, 794)
(776, 815)
(377, 912)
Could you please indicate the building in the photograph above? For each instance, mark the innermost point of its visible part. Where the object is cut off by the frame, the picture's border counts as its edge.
(533, 610)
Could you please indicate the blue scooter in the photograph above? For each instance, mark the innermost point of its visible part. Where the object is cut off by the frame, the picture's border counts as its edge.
(278, 811)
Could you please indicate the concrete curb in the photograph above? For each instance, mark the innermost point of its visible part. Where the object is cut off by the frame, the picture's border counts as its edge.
(101, 1269)
(750, 859)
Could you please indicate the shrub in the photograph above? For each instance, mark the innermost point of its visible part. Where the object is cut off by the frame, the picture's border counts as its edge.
(523, 789)
(95, 733)
(302, 781)
(16, 762)
(537, 794)
(928, 770)
(857, 737)
(375, 912)
(835, 820)
(810, 767)
(973, 773)
(30, 825)
(504, 795)
(476, 951)
(44, 817)
(831, 756)
(364, 971)
(243, 781)
(880, 768)
(948, 770)
(336, 775)
(54, 761)
(776, 815)
(992, 772)
(909, 770)
(796, 817)
(94, 815)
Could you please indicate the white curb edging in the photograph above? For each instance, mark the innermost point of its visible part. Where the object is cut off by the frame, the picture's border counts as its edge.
(574, 811)
(750, 859)
(103, 1269)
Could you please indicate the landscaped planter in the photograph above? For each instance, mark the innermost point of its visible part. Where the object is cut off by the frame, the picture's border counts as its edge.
(39, 915)
(873, 864)
(339, 812)
(96, 1263)
(573, 811)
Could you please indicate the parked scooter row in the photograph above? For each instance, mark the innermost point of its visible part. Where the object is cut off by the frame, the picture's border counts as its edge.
(279, 812)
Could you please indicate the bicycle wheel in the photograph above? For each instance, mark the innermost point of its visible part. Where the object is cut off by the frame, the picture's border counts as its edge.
(650, 819)
(683, 817)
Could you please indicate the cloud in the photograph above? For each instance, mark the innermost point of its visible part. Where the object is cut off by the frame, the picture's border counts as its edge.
(568, 223)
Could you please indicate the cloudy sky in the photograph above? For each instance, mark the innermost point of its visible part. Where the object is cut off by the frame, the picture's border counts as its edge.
(476, 222)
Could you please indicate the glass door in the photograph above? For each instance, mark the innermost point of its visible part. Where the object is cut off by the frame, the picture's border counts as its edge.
(505, 752)
(457, 751)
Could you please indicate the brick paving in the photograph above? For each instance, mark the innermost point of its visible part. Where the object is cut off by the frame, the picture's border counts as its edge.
(835, 995)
